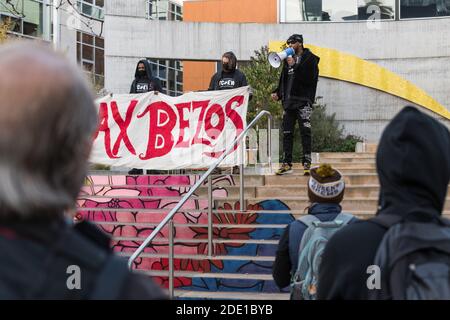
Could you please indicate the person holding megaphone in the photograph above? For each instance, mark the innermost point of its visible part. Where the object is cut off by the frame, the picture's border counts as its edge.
(297, 91)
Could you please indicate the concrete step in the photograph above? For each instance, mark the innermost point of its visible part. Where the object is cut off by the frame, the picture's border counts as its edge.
(232, 295)
(293, 202)
(181, 241)
(302, 191)
(343, 167)
(339, 160)
(176, 179)
(163, 254)
(299, 179)
(232, 191)
(345, 171)
(344, 155)
(197, 212)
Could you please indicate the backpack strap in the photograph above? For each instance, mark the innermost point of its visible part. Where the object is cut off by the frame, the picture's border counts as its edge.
(309, 219)
(344, 217)
(109, 283)
(386, 220)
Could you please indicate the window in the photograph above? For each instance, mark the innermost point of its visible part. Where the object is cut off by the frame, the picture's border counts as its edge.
(170, 72)
(424, 8)
(26, 17)
(91, 56)
(164, 10)
(92, 8)
(338, 10)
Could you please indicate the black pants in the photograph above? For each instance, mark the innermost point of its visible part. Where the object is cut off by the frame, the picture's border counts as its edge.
(302, 114)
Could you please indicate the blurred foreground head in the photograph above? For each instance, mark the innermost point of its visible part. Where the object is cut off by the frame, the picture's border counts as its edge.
(47, 118)
(413, 164)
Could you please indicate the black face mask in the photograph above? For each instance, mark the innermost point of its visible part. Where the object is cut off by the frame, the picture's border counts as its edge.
(141, 73)
(226, 66)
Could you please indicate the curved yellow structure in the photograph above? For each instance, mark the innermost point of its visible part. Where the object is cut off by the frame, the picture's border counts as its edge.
(346, 67)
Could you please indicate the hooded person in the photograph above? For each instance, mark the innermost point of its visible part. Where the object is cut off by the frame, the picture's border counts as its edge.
(326, 188)
(144, 81)
(229, 77)
(413, 164)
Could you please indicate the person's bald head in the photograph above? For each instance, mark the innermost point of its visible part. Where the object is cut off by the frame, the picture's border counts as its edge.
(47, 118)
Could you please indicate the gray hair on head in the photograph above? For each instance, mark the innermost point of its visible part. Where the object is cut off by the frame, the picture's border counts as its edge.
(47, 121)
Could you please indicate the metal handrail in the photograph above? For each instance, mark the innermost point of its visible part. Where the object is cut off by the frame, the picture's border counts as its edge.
(199, 183)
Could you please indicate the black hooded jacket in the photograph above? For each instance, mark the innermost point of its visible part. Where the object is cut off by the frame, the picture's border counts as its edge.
(142, 84)
(413, 164)
(304, 82)
(36, 256)
(228, 80)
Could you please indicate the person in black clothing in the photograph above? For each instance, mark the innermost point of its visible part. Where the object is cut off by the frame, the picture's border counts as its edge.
(297, 91)
(144, 82)
(413, 164)
(42, 168)
(230, 77)
(323, 207)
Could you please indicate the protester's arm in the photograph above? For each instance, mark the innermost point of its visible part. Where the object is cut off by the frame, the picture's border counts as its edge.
(157, 85)
(133, 87)
(278, 89)
(245, 83)
(281, 271)
(211, 83)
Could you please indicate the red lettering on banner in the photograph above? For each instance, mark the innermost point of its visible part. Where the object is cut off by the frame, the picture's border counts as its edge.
(104, 127)
(123, 126)
(214, 131)
(181, 143)
(235, 118)
(160, 140)
(203, 105)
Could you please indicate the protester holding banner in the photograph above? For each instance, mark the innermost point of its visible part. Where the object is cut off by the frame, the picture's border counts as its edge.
(228, 78)
(143, 82)
(297, 90)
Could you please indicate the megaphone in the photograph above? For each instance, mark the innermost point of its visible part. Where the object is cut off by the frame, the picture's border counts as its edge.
(275, 58)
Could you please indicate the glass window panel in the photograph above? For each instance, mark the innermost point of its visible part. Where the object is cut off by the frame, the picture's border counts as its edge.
(99, 42)
(88, 66)
(424, 8)
(342, 10)
(88, 39)
(99, 61)
(78, 52)
(86, 9)
(33, 18)
(15, 24)
(88, 53)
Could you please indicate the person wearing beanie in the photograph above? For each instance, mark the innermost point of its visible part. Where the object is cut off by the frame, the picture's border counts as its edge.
(297, 92)
(326, 187)
(408, 189)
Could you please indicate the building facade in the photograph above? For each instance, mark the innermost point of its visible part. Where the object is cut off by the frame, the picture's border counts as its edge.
(184, 41)
(79, 23)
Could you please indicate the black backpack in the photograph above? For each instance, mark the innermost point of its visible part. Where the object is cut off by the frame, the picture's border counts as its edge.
(414, 259)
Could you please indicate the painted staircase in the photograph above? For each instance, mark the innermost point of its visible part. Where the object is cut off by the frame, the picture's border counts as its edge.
(130, 207)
